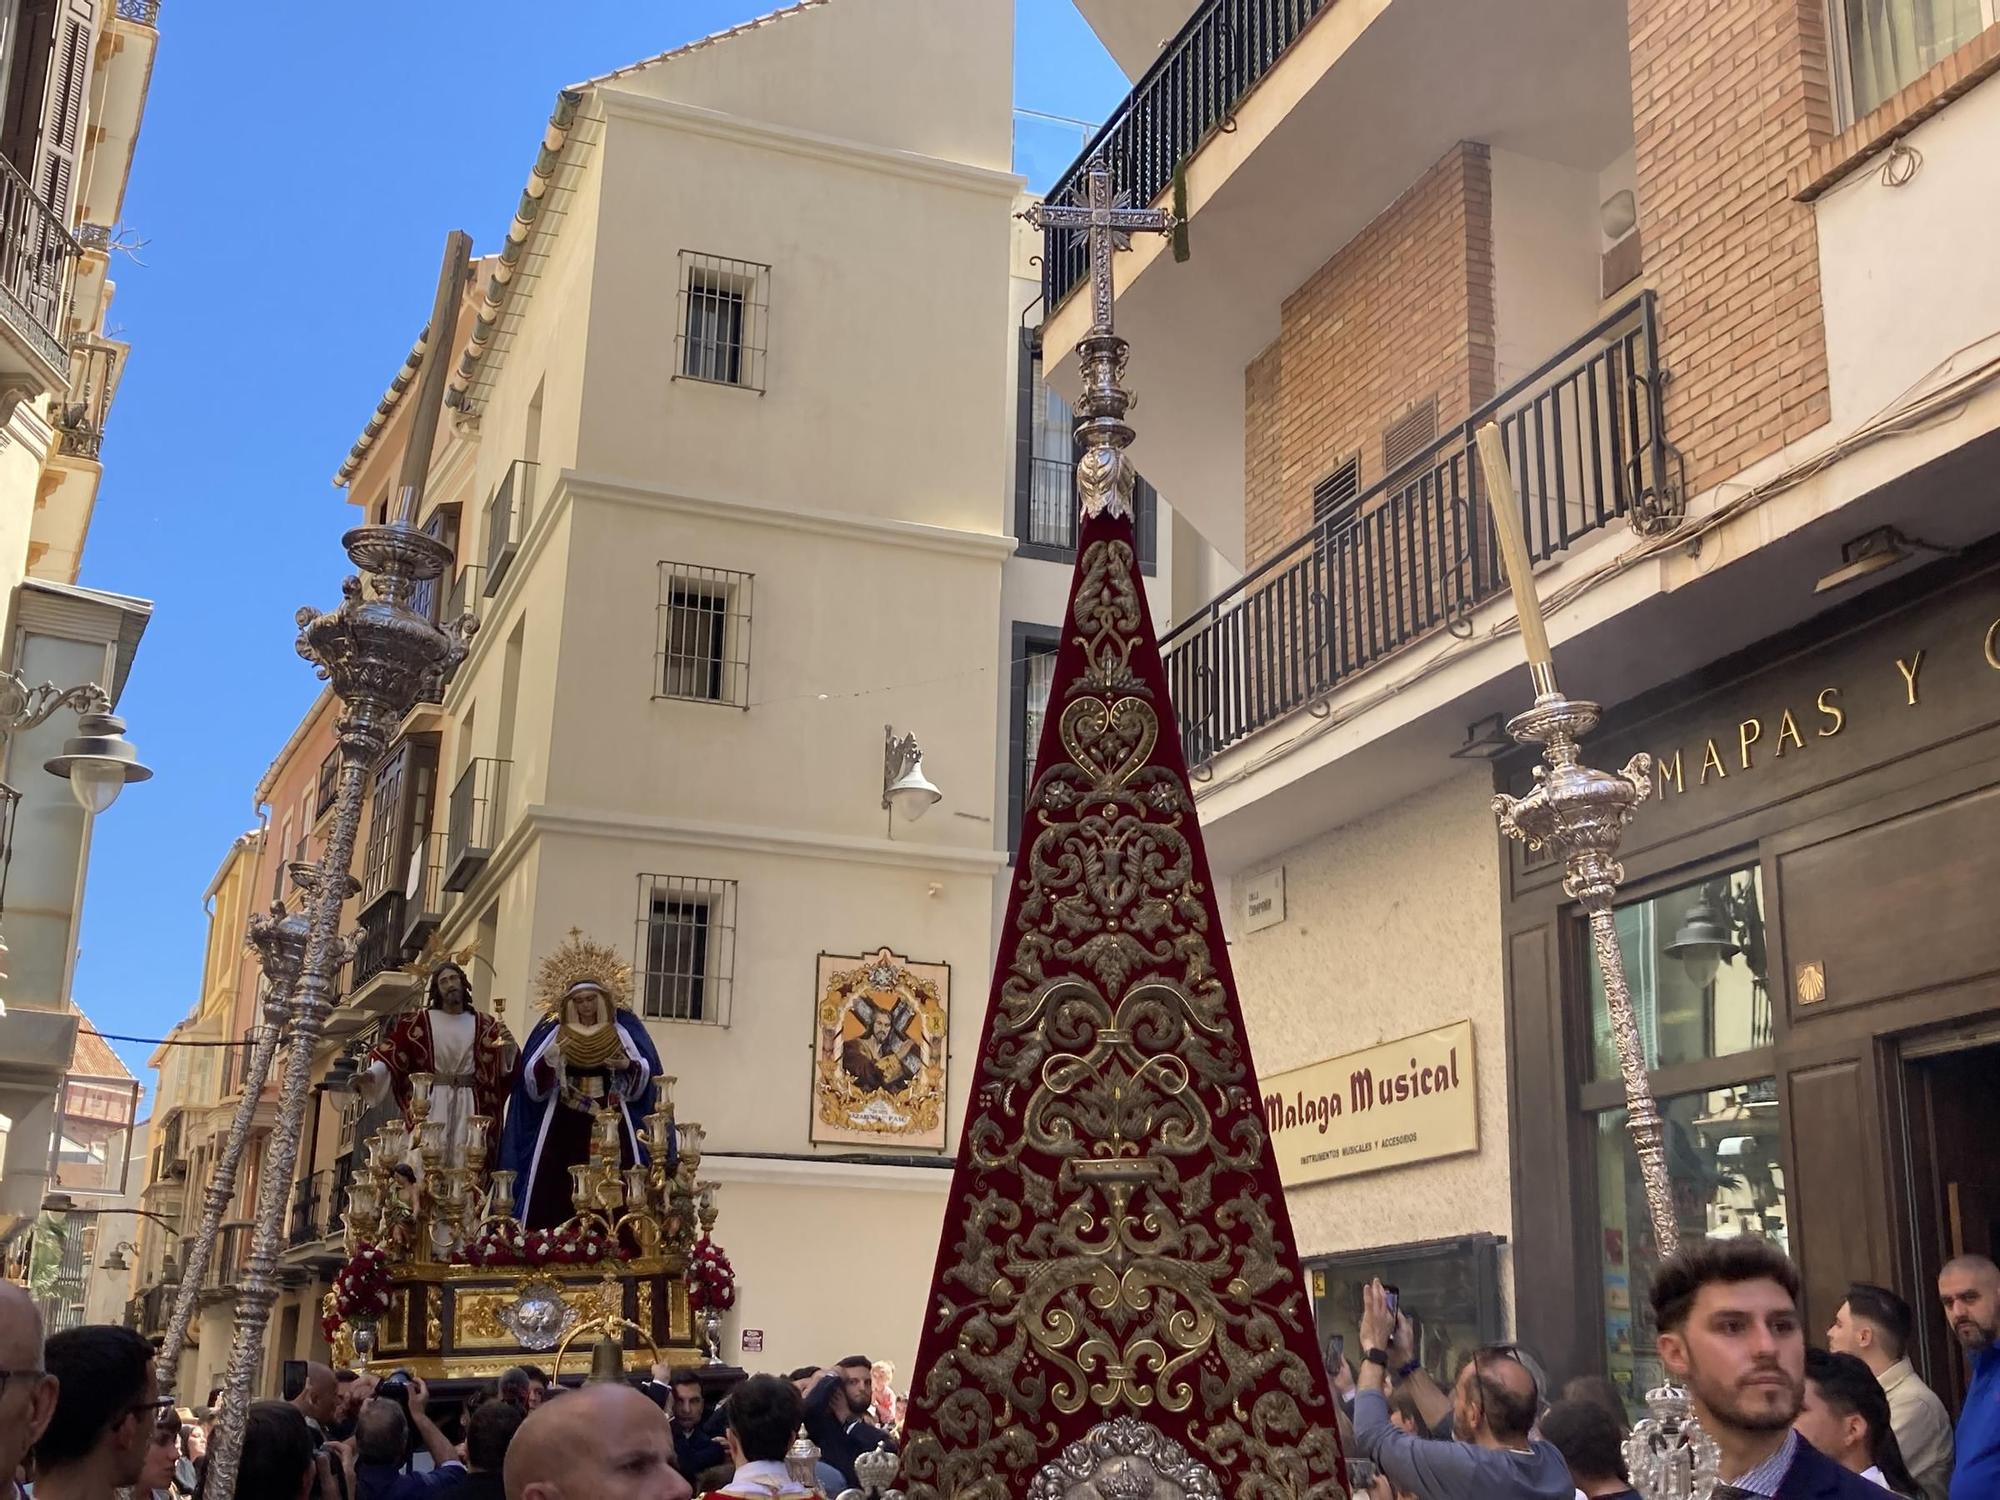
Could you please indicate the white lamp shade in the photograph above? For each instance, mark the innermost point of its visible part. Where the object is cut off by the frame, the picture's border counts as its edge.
(912, 793)
(96, 784)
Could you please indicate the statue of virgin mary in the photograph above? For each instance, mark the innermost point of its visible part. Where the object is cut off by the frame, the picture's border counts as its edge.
(588, 1050)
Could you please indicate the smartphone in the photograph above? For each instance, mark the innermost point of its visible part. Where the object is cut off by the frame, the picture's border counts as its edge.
(1336, 1348)
(292, 1378)
(1395, 1298)
(1360, 1475)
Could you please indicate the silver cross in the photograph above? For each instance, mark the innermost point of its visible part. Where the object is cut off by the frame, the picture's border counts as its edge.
(1106, 219)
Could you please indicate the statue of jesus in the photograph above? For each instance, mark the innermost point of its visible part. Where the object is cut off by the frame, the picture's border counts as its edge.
(467, 1054)
(587, 1052)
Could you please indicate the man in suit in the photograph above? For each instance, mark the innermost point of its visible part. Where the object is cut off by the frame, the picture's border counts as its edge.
(1729, 1331)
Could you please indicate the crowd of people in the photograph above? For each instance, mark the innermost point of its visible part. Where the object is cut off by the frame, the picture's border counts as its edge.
(1849, 1421)
(81, 1416)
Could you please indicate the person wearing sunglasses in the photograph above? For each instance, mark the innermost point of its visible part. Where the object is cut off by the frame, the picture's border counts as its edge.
(27, 1395)
(108, 1407)
(1493, 1406)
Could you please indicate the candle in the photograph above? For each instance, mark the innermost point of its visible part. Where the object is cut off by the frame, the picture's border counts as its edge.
(500, 1201)
(1514, 554)
(579, 1185)
(420, 1092)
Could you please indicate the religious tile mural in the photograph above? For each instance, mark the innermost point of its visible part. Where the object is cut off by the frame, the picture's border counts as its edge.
(880, 1034)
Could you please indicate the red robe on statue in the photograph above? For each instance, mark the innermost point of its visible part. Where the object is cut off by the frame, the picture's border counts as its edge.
(408, 1049)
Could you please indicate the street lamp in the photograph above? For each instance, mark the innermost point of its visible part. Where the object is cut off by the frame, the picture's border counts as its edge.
(905, 788)
(97, 761)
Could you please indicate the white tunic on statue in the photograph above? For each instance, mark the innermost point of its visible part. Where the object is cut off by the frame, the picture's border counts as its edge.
(452, 1038)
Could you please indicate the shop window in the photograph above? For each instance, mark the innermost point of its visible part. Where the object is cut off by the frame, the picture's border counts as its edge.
(1694, 958)
(1449, 1288)
(1724, 1162)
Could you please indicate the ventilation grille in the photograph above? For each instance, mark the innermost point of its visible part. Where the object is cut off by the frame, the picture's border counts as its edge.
(1409, 435)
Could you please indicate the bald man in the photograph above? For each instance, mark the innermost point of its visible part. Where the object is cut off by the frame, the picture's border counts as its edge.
(318, 1400)
(1969, 1288)
(603, 1442)
(27, 1395)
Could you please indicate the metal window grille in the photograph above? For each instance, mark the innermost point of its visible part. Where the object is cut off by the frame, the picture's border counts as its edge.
(685, 950)
(703, 645)
(724, 321)
(1409, 435)
(1334, 496)
(1039, 675)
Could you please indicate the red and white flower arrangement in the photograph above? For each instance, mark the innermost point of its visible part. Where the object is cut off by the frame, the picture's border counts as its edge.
(711, 1279)
(360, 1289)
(571, 1244)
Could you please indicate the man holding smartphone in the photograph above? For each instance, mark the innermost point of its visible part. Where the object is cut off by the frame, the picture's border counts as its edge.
(1493, 1406)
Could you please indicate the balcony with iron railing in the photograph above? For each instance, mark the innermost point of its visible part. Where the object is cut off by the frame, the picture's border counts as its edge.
(467, 595)
(150, 1311)
(79, 418)
(327, 788)
(378, 942)
(231, 1255)
(508, 512)
(477, 820)
(236, 1063)
(318, 1203)
(38, 257)
(1417, 553)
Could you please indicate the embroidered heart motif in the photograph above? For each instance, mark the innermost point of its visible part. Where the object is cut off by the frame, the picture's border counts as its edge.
(1109, 741)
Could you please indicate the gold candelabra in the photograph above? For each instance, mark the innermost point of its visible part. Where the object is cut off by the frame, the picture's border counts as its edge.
(417, 1209)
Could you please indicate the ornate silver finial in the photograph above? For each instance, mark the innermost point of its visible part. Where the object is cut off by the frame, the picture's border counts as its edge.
(874, 1473)
(802, 1463)
(1104, 476)
(1669, 1455)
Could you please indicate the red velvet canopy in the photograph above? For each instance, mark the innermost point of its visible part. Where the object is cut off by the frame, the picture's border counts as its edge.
(1116, 1242)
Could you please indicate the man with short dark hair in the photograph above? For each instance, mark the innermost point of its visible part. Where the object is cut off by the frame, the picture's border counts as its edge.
(107, 1404)
(836, 1415)
(1874, 1326)
(764, 1413)
(1493, 1415)
(696, 1446)
(1588, 1438)
(1846, 1416)
(488, 1434)
(277, 1452)
(1728, 1329)
(1969, 1288)
(521, 1388)
(27, 1395)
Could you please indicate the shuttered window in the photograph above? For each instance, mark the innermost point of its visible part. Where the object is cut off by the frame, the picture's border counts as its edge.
(47, 82)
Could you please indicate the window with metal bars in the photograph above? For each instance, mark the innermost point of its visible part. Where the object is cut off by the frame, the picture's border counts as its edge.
(1335, 495)
(725, 308)
(686, 948)
(703, 645)
(1034, 670)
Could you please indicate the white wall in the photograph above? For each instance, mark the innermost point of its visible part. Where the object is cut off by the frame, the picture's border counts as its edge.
(1392, 927)
(1546, 270)
(1906, 273)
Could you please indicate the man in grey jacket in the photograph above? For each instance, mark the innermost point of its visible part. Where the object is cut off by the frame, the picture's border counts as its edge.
(1493, 1405)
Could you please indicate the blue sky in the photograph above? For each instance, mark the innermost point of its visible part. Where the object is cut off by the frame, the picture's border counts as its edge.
(296, 174)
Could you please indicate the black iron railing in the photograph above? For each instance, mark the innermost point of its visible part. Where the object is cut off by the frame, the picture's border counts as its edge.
(507, 516)
(81, 414)
(1417, 551)
(232, 1253)
(37, 267)
(378, 944)
(475, 827)
(145, 12)
(236, 1063)
(318, 1202)
(1191, 90)
(1048, 514)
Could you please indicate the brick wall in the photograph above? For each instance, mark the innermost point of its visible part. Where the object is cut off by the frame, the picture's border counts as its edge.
(1403, 311)
(1728, 97)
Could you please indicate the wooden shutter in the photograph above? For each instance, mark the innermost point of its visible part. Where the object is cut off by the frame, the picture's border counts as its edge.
(61, 146)
(28, 53)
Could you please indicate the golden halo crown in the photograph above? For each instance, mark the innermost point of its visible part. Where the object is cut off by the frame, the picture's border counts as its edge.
(582, 961)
